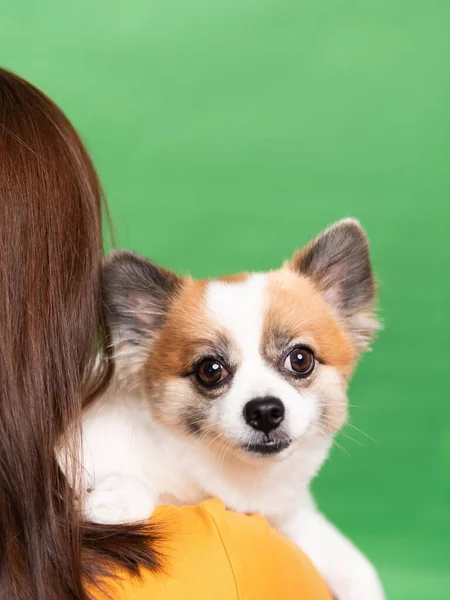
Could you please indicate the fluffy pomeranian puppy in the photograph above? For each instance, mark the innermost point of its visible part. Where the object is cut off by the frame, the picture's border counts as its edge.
(234, 388)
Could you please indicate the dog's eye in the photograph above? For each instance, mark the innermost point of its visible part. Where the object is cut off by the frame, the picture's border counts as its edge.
(210, 372)
(300, 361)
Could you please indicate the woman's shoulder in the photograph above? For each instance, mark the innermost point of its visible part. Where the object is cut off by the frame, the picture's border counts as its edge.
(212, 552)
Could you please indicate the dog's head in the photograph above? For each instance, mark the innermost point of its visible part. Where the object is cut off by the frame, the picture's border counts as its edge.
(257, 361)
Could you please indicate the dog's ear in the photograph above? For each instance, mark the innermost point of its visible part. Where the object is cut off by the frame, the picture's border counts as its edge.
(136, 295)
(338, 262)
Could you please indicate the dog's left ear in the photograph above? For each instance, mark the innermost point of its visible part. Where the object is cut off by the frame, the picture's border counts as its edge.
(338, 262)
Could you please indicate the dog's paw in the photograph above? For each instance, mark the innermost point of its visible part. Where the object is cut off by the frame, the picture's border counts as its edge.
(118, 499)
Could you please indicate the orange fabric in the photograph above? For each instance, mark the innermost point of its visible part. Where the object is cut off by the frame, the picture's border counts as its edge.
(216, 554)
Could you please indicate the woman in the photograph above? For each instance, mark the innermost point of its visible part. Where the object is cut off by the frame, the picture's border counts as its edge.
(50, 333)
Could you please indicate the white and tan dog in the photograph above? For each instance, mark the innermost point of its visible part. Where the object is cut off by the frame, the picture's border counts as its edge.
(233, 388)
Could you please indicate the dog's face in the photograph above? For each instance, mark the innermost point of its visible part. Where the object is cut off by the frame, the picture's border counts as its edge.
(254, 362)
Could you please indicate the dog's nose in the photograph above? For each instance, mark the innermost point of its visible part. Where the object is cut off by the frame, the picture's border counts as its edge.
(264, 414)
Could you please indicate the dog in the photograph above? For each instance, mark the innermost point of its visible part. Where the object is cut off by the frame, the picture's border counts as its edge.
(234, 388)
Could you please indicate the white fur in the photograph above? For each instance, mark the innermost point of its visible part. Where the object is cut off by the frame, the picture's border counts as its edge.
(239, 308)
(133, 463)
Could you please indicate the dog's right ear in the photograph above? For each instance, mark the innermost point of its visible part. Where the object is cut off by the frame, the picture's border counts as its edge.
(136, 295)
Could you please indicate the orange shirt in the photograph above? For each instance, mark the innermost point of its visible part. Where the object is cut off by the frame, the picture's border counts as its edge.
(216, 554)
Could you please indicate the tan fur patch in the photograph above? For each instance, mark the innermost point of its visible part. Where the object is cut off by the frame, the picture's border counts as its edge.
(295, 308)
(237, 278)
(187, 333)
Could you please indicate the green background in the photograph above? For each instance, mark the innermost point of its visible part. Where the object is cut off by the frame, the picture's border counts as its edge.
(227, 133)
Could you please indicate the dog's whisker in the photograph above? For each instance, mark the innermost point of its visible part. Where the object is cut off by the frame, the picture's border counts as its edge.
(341, 448)
(348, 437)
(362, 433)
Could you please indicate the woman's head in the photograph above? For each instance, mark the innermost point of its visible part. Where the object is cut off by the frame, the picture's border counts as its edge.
(50, 257)
(50, 261)
(50, 242)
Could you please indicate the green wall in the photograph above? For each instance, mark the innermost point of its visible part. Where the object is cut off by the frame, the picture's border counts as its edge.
(227, 133)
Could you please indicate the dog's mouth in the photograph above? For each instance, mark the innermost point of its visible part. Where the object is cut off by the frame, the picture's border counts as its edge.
(267, 447)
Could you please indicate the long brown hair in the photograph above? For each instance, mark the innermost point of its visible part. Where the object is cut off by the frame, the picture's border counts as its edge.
(50, 334)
